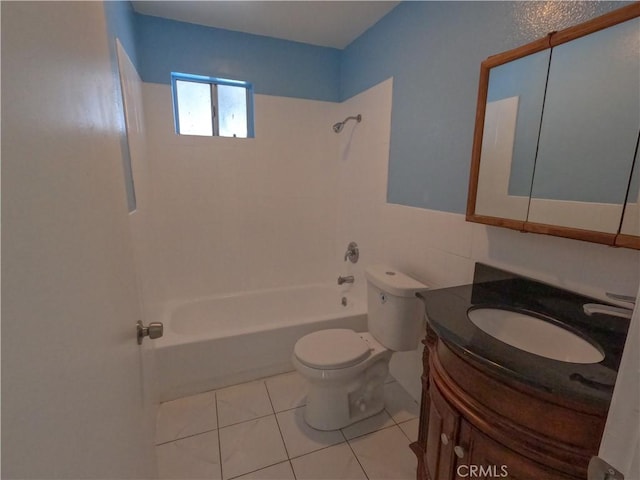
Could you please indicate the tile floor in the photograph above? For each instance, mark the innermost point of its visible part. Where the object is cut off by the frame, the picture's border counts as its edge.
(256, 431)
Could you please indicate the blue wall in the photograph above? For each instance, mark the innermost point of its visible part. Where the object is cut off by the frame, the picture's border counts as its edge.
(121, 23)
(433, 50)
(273, 66)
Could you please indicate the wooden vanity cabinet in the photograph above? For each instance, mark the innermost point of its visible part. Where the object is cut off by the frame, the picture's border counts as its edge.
(474, 426)
(442, 436)
(460, 451)
(499, 461)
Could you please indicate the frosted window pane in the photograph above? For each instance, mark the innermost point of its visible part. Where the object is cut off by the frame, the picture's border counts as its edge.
(194, 108)
(232, 105)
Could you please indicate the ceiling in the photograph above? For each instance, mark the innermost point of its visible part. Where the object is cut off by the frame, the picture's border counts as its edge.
(326, 23)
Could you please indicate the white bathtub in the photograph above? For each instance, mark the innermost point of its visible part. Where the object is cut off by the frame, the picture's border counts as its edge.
(219, 341)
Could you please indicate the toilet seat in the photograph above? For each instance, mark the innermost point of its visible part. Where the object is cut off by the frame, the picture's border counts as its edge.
(332, 349)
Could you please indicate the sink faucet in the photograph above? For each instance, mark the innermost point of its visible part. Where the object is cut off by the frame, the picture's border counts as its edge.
(347, 279)
(591, 308)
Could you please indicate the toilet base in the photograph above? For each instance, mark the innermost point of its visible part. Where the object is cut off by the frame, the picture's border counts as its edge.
(331, 406)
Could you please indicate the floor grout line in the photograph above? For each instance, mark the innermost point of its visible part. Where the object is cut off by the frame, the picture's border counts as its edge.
(317, 450)
(246, 421)
(258, 469)
(293, 470)
(280, 430)
(356, 455)
(372, 432)
(215, 396)
(186, 436)
(402, 430)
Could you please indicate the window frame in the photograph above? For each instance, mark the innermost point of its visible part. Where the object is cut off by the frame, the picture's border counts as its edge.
(213, 83)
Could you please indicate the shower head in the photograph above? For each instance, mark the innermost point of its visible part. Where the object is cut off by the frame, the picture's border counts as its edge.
(337, 127)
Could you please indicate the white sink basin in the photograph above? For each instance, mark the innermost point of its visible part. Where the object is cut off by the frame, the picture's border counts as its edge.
(534, 335)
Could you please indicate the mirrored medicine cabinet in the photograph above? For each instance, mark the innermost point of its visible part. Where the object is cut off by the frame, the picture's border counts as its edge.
(555, 147)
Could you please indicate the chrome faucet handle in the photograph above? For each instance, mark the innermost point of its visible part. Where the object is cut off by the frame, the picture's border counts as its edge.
(621, 298)
(352, 253)
(591, 308)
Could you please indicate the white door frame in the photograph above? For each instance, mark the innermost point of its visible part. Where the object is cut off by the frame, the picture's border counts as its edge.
(620, 445)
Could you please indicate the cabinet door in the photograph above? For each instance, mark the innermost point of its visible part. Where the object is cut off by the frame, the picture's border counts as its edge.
(589, 131)
(441, 437)
(478, 456)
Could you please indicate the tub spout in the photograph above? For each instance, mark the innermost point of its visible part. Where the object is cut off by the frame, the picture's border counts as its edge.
(347, 279)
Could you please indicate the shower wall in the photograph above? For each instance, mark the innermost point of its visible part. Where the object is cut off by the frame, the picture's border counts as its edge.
(363, 158)
(229, 215)
(242, 214)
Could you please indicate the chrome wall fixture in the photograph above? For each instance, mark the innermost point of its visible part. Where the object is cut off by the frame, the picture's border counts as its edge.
(337, 127)
(347, 279)
(352, 254)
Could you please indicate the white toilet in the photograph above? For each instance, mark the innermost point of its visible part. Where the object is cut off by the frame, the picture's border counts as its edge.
(346, 370)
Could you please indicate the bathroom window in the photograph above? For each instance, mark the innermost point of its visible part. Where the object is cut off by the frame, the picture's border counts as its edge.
(209, 106)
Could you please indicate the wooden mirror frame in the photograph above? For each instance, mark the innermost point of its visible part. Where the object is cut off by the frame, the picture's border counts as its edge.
(553, 39)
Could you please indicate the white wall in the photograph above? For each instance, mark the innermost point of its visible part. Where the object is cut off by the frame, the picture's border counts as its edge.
(230, 215)
(362, 178)
(242, 214)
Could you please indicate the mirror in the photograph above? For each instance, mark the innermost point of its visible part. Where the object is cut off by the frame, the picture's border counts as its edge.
(589, 130)
(630, 229)
(513, 112)
(557, 125)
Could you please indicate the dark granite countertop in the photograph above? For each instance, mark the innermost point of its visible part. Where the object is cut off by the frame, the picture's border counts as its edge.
(447, 309)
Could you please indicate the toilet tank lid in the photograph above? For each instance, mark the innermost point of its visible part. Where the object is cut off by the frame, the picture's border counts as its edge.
(394, 282)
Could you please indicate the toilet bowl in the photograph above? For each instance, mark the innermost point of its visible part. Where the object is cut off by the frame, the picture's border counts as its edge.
(346, 370)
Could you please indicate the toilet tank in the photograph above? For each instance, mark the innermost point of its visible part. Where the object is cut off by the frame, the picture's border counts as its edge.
(394, 313)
